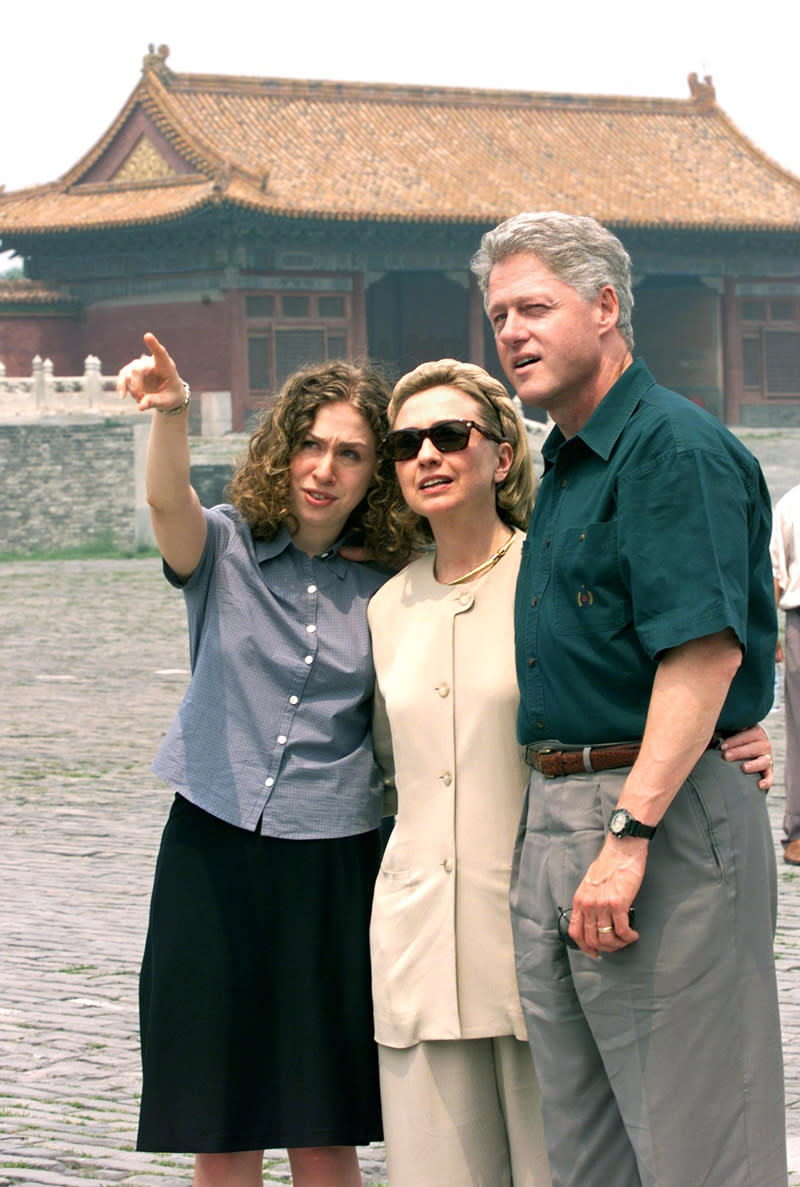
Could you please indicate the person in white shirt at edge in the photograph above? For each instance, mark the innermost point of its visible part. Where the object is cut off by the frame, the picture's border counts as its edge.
(785, 554)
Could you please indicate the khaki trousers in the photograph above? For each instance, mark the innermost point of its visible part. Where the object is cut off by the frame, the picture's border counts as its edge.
(462, 1113)
(660, 1065)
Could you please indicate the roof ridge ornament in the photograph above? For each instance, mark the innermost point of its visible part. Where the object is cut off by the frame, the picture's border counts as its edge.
(222, 178)
(702, 93)
(156, 60)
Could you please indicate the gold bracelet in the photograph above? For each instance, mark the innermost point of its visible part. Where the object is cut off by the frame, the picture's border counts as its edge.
(180, 407)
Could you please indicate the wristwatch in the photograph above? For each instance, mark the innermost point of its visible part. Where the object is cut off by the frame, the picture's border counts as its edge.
(622, 824)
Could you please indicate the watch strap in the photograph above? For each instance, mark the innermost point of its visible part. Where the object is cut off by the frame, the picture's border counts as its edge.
(632, 827)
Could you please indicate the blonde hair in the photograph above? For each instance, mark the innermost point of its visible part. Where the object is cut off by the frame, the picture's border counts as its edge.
(260, 485)
(514, 495)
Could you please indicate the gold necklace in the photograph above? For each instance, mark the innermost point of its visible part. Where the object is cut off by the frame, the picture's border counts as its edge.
(484, 568)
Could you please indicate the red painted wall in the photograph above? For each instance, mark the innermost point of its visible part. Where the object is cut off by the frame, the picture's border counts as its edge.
(196, 334)
(61, 339)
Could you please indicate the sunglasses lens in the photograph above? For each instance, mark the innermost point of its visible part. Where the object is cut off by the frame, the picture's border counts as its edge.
(404, 444)
(450, 436)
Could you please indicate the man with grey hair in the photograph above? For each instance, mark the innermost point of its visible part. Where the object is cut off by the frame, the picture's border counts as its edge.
(644, 888)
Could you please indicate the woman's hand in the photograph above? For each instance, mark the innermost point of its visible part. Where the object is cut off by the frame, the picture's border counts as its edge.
(753, 749)
(152, 379)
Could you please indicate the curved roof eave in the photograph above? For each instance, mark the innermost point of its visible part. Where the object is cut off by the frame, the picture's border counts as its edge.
(487, 218)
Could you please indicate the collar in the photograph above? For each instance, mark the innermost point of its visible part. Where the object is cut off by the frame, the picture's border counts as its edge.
(603, 428)
(267, 550)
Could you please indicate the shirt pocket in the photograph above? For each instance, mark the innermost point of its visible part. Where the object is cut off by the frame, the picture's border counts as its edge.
(588, 589)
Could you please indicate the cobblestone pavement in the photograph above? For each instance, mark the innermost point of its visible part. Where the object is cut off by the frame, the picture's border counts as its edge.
(94, 664)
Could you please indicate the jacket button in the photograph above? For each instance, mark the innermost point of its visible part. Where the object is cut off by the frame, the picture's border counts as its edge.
(447, 865)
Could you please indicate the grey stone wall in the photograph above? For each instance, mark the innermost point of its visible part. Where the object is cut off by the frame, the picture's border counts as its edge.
(68, 484)
(209, 479)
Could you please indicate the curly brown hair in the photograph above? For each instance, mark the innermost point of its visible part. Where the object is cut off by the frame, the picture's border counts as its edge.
(409, 532)
(260, 485)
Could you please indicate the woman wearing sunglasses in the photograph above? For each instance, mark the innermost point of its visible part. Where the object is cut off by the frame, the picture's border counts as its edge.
(459, 1091)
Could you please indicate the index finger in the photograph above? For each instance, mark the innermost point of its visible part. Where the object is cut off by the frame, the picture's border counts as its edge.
(160, 355)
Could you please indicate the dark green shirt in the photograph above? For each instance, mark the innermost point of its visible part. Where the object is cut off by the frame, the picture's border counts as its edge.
(651, 528)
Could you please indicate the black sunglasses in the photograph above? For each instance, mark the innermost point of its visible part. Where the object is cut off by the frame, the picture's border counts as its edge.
(448, 436)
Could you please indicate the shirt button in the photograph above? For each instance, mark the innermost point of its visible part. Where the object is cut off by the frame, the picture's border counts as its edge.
(563, 483)
(309, 659)
(547, 542)
(443, 690)
(269, 782)
(532, 662)
(294, 700)
(281, 739)
(447, 778)
(534, 601)
(311, 628)
(582, 536)
(540, 725)
(312, 589)
(447, 865)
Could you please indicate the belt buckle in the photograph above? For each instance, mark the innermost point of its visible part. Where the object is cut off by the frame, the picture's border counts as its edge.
(546, 750)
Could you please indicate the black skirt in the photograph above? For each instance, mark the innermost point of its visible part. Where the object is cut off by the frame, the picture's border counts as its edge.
(255, 997)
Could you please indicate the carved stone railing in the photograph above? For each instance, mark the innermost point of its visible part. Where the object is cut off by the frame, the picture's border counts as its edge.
(44, 394)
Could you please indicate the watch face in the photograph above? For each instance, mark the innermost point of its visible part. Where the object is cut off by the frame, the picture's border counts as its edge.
(618, 822)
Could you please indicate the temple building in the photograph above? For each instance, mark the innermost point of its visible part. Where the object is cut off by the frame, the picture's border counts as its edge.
(257, 224)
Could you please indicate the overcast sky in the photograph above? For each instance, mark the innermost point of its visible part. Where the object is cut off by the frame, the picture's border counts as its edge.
(66, 70)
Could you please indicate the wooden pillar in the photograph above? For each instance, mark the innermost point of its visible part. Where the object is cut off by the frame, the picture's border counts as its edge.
(732, 375)
(358, 319)
(476, 316)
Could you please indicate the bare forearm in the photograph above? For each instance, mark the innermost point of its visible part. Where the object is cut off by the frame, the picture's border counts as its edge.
(689, 690)
(168, 463)
(178, 520)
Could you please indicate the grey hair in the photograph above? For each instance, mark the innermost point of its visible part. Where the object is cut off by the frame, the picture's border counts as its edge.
(576, 248)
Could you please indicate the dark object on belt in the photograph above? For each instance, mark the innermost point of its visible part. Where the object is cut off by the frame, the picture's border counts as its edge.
(583, 760)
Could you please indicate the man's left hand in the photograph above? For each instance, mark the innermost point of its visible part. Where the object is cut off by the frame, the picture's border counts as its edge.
(752, 747)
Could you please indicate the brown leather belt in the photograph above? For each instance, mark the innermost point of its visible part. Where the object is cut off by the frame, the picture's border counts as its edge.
(583, 760)
(554, 763)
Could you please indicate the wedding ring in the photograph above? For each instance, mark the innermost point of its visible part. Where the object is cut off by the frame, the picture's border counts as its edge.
(603, 931)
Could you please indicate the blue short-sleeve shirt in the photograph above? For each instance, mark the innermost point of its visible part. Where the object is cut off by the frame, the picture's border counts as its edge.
(275, 726)
(651, 528)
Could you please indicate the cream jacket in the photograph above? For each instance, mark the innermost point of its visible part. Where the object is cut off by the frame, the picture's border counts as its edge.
(446, 704)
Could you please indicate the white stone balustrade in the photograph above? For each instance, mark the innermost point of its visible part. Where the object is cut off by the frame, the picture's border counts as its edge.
(43, 394)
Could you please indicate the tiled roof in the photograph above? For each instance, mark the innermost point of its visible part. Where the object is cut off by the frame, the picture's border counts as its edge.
(22, 291)
(415, 154)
